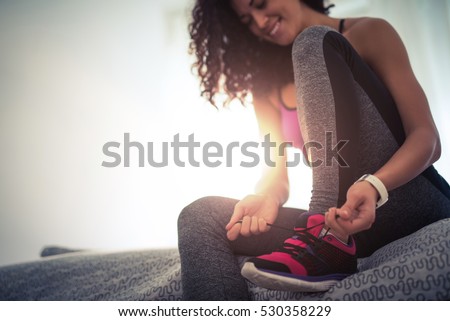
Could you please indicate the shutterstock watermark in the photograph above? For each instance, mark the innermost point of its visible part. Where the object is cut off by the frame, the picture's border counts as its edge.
(184, 152)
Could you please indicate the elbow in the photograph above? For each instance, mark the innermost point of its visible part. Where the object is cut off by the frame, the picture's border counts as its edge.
(437, 150)
(430, 142)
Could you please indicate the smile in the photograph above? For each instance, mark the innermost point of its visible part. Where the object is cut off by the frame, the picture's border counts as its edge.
(275, 28)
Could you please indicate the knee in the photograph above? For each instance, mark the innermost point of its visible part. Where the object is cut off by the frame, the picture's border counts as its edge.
(194, 212)
(203, 219)
(309, 41)
(205, 212)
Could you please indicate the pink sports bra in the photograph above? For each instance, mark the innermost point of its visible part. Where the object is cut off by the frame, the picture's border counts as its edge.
(290, 125)
(289, 119)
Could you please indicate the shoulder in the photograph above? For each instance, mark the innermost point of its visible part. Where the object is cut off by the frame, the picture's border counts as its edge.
(360, 28)
(374, 38)
(382, 49)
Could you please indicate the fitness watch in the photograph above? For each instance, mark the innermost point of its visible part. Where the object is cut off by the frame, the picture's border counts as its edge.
(378, 185)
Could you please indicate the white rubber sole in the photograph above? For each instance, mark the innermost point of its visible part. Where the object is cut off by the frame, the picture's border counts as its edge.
(279, 282)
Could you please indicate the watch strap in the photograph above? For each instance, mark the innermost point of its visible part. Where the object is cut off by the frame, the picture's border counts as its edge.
(378, 185)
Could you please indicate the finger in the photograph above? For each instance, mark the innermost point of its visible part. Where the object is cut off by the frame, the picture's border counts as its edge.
(328, 217)
(343, 213)
(347, 213)
(349, 210)
(254, 225)
(245, 228)
(263, 227)
(234, 232)
(235, 217)
(333, 221)
(355, 226)
(332, 211)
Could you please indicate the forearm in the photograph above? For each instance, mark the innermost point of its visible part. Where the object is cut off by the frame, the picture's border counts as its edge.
(274, 184)
(419, 151)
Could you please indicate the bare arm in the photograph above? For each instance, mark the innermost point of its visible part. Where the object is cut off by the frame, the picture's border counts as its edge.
(388, 57)
(381, 47)
(256, 210)
(274, 180)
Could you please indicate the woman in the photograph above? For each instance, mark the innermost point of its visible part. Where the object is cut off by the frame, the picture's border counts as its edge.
(366, 129)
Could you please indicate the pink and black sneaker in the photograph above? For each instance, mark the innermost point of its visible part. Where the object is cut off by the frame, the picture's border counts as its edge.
(308, 261)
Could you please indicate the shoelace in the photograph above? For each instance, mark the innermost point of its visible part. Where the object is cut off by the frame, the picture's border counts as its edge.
(273, 225)
(292, 229)
(298, 252)
(303, 235)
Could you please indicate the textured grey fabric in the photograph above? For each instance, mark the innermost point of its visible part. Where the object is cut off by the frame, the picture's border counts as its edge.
(416, 267)
(317, 116)
(86, 275)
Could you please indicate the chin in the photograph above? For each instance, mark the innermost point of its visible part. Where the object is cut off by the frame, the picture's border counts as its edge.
(284, 42)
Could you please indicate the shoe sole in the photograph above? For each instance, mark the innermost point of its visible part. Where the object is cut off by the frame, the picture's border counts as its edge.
(278, 282)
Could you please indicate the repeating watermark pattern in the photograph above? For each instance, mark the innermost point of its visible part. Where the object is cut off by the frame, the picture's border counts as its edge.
(215, 154)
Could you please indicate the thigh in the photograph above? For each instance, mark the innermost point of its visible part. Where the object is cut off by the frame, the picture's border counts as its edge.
(203, 222)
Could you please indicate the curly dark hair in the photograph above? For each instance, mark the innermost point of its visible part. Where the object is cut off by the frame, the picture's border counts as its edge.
(230, 59)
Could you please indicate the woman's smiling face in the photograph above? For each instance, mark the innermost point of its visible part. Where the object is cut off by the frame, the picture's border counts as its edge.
(275, 21)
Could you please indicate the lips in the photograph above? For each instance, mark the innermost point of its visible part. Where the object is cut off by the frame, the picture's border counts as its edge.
(274, 28)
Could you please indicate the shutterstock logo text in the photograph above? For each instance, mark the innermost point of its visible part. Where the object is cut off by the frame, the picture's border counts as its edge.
(189, 152)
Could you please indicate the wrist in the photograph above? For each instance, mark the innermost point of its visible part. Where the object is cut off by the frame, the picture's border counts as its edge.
(371, 190)
(378, 185)
(279, 193)
(273, 198)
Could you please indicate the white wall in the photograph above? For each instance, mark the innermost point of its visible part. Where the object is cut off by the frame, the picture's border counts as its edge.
(424, 26)
(77, 74)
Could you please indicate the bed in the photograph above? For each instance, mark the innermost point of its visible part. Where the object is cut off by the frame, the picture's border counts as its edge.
(416, 267)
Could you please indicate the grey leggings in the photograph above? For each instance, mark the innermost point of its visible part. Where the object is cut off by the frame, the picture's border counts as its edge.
(343, 102)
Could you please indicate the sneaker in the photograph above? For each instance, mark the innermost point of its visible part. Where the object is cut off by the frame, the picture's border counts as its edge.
(308, 261)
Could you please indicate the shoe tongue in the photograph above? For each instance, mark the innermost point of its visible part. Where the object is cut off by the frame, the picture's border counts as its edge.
(307, 220)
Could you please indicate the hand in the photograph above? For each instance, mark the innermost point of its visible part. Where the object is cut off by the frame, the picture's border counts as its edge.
(255, 211)
(358, 212)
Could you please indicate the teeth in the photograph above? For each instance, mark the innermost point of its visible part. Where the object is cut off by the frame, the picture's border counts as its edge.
(275, 28)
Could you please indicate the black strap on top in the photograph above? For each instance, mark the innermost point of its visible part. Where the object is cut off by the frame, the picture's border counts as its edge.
(341, 25)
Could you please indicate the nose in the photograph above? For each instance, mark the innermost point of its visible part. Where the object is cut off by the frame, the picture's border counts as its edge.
(260, 19)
